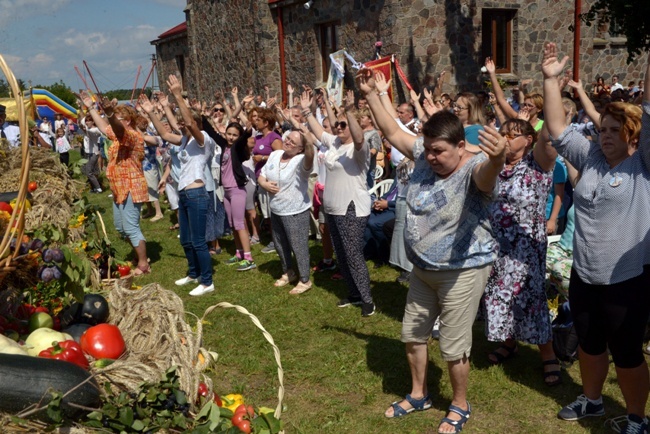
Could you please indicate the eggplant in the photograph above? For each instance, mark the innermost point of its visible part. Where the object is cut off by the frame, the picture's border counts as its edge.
(76, 330)
(71, 315)
(94, 309)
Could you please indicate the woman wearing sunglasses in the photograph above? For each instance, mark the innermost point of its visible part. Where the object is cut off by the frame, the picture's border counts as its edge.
(345, 199)
(515, 302)
(218, 117)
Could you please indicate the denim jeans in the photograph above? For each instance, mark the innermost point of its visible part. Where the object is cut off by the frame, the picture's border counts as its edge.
(126, 218)
(192, 212)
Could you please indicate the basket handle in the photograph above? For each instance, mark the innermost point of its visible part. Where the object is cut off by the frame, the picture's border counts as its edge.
(267, 336)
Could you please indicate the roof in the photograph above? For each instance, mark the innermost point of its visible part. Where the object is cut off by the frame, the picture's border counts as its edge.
(174, 31)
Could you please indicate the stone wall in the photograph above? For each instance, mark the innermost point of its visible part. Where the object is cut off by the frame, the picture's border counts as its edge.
(166, 53)
(235, 42)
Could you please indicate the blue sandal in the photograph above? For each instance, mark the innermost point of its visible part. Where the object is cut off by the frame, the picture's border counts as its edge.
(417, 405)
(457, 424)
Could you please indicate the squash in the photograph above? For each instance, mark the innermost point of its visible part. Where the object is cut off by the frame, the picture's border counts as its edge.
(28, 380)
(42, 339)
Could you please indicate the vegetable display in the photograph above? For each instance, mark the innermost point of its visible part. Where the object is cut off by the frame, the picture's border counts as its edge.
(103, 341)
(68, 351)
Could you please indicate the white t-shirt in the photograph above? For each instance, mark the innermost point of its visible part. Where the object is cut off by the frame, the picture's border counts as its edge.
(194, 159)
(91, 138)
(347, 172)
(395, 155)
(293, 181)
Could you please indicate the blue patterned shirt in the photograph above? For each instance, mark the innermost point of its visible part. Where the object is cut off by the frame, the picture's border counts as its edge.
(447, 224)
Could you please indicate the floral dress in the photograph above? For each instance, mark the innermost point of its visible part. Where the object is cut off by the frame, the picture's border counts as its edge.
(514, 302)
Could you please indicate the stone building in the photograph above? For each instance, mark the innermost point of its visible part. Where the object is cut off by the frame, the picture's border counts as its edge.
(252, 43)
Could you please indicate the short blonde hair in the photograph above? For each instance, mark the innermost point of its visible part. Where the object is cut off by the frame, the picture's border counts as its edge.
(629, 115)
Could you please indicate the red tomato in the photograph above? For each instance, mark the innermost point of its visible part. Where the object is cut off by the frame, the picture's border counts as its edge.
(245, 427)
(203, 389)
(4, 206)
(32, 186)
(237, 419)
(250, 411)
(124, 270)
(103, 341)
(241, 409)
(41, 309)
(217, 400)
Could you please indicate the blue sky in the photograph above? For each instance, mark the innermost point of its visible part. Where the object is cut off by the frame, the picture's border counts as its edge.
(42, 40)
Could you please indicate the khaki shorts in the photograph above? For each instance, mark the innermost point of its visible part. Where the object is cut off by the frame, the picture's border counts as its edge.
(454, 295)
(153, 178)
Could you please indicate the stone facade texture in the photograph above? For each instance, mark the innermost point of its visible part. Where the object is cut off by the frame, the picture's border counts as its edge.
(236, 42)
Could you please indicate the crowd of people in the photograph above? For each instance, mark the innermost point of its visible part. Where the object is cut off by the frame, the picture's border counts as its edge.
(479, 182)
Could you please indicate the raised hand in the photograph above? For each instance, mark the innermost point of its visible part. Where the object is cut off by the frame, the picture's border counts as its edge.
(493, 144)
(270, 102)
(524, 114)
(163, 100)
(349, 100)
(414, 96)
(144, 102)
(195, 104)
(551, 66)
(380, 82)
(86, 99)
(366, 80)
(234, 92)
(306, 100)
(430, 108)
(489, 65)
(575, 84)
(289, 88)
(174, 85)
(108, 104)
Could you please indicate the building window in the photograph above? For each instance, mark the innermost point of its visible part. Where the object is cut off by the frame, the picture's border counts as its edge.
(328, 43)
(497, 37)
(180, 65)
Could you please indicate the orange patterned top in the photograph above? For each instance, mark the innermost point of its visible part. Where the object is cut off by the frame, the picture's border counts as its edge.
(124, 170)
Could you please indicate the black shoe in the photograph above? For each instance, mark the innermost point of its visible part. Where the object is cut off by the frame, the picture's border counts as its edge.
(367, 309)
(350, 301)
(403, 277)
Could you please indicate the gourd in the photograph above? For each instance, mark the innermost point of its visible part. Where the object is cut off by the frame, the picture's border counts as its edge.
(28, 380)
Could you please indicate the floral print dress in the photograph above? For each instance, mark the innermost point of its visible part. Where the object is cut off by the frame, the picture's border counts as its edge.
(514, 302)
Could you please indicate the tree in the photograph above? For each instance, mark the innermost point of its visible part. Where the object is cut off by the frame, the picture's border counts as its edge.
(631, 19)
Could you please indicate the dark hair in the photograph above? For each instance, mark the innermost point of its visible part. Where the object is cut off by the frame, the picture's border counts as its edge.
(519, 125)
(446, 126)
(236, 126)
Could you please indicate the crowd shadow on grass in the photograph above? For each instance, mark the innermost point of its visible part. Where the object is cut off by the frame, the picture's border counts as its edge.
(526, 369)
(386, 357)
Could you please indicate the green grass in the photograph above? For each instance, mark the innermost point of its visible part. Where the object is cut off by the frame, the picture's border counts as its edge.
(341, 371)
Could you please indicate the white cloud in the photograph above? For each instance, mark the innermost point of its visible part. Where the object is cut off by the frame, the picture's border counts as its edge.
(86, 44)
(18, 10)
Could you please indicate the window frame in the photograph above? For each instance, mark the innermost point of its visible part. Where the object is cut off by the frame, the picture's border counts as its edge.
(324, 49)
(489, 18)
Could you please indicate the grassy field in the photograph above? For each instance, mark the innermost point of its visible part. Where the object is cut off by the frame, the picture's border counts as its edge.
(341, 370)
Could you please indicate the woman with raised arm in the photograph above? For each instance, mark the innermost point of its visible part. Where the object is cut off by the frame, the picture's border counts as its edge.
(449, 240)
(345, 199)
(468, 109)
(533, 102)
(608, 291)
(515, 302)
(196, 151)
(124, 172)
(286, 177)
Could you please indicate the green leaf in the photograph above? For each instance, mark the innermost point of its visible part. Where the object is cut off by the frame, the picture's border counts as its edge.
(274, 424)
(95, 415)
(205, 410)
(110, 411)
(138, 425)
(66, 253)
(126, 416)
(180, 397)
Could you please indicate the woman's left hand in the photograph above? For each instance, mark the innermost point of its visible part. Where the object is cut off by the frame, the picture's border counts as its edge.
(493, 144)
(258, 158)
(271, 187)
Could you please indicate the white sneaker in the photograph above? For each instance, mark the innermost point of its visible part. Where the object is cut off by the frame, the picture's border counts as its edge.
(185, 280)
(201, 289)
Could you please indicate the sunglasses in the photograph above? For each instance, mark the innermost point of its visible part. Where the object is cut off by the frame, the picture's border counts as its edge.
(458, 107)
(511, 135)
(217, 109)
(342, 125)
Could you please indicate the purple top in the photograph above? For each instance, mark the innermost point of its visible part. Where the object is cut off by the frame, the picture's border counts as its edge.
(227, 175)
(263, 147)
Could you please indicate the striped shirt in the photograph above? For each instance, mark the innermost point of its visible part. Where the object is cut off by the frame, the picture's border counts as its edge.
(611, 243)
